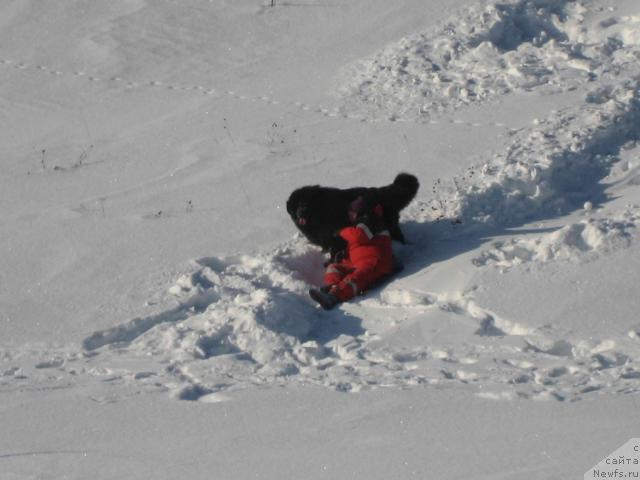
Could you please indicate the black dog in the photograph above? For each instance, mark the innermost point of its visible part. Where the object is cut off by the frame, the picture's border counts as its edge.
(320, 212)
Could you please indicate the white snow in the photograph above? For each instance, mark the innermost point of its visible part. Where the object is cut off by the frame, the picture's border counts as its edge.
(575, 242)
(154, 314)
(491, 49)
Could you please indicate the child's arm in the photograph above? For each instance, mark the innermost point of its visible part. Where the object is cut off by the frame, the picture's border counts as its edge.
(357, 235)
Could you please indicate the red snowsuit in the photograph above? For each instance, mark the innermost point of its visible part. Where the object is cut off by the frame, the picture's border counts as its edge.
(368, 258)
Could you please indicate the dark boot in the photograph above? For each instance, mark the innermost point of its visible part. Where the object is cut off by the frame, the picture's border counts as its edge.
(325, 299)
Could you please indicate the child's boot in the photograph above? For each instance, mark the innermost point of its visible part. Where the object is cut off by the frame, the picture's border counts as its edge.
(324, 298)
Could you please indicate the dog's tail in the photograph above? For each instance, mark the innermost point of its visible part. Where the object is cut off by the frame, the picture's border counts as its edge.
(398, 195)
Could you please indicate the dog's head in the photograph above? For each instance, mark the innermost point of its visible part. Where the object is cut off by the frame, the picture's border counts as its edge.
(300, 206)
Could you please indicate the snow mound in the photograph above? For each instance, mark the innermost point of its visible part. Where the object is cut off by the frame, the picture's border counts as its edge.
(549, 169)
(246, 321)
(244, 315)
(489, 50)
(576, 242)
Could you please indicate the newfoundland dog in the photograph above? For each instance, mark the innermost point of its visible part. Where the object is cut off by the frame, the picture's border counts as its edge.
(320, 212)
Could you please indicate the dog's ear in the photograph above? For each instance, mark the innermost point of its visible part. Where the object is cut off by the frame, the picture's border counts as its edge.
(293, 201)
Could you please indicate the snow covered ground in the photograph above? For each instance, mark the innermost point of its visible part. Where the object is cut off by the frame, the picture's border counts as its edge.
(155, 322)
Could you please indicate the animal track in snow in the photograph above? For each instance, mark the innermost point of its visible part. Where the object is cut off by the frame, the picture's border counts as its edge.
(488, 323)
(329, 112)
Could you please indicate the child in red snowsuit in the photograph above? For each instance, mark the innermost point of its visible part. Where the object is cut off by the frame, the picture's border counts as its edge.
(368, 256)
